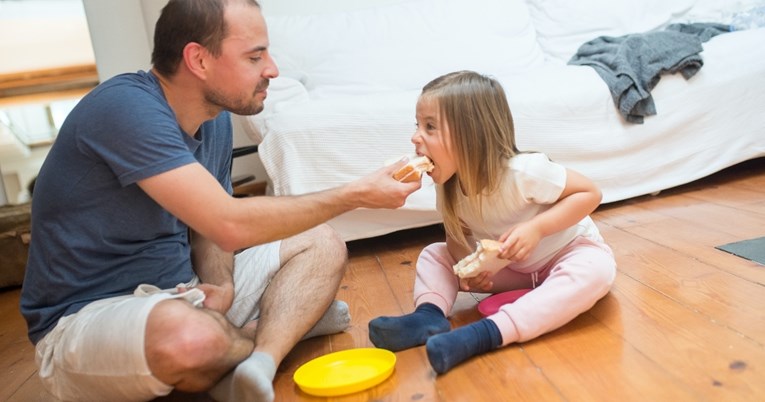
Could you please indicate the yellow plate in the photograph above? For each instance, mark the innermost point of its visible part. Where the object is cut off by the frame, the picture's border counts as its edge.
(345, 372)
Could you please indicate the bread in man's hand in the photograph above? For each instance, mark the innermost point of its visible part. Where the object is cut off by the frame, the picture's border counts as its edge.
(484, 258)
(414, 169)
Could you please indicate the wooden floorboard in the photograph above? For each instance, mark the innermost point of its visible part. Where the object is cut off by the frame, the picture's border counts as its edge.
(684, 321)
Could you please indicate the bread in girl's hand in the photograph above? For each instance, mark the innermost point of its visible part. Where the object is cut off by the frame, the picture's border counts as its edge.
(484, 258)
(414, 169)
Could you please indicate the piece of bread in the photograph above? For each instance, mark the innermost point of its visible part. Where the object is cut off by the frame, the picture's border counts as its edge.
(414, 169)
(484, 258)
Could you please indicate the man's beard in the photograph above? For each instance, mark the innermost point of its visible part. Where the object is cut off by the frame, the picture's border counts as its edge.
(237, 106)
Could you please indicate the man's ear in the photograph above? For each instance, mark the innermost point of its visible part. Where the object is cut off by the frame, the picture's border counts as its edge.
(195, 59)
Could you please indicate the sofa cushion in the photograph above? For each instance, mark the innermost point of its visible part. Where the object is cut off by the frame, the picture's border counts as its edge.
(402, 46)
(564, 25)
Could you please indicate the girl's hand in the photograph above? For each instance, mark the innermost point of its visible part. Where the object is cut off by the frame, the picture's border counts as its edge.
(520, 241)
(481, 283)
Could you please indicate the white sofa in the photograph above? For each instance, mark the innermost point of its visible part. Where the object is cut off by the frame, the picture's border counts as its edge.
(344, 102)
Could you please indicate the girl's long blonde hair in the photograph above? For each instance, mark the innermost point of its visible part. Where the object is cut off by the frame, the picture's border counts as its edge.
(474, 107)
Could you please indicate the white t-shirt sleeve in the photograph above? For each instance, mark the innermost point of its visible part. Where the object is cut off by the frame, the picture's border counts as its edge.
(538, 180)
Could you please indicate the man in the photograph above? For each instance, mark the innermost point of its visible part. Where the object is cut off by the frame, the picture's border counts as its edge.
(134, 197)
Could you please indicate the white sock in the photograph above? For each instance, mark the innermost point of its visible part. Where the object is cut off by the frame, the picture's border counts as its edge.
(251, 380)
(336, 319)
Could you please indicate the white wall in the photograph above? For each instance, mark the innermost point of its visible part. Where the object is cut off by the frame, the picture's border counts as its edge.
(118, 33)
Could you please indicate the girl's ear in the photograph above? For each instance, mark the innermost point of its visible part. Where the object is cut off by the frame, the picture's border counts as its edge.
(195, 59)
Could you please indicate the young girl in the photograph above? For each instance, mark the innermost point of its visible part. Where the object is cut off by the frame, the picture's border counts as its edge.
(487, 189)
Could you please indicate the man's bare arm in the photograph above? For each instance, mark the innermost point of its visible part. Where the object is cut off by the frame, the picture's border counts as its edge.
(215, 268)
(193, 195)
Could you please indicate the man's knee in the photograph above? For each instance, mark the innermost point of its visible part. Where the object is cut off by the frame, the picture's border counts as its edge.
(327, 235)
(187, 347)
(322, 242)
(329, 240)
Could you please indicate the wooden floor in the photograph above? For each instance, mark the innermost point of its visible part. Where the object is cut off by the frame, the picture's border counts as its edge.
(683, 322)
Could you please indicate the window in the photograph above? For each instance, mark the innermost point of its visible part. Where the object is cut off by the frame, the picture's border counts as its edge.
(53, 68)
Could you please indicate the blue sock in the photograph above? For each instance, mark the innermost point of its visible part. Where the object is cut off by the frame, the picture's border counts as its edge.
(406, 331)
(452, 348)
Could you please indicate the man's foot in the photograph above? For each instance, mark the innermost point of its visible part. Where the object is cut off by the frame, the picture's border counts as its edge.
(251, 380)
(336, 319)
(406, 331)
(452, 348)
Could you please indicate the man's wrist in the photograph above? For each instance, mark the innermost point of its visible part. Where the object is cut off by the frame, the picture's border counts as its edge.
(228, 287)
(351, 196)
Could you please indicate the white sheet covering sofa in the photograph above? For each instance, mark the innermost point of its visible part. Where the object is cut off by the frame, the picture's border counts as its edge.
(345, 100)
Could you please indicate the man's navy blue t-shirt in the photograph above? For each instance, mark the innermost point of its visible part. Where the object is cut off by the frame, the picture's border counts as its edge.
(95, 233)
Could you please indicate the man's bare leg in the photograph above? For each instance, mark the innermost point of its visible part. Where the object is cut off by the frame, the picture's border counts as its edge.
(299, 294)
(191, 348)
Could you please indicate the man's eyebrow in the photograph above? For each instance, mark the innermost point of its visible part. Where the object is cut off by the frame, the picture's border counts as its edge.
(257, 49)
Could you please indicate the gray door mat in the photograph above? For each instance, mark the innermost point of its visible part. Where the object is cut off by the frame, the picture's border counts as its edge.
(752, 249)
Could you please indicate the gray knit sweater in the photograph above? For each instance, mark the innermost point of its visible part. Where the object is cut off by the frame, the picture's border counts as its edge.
(631, 65)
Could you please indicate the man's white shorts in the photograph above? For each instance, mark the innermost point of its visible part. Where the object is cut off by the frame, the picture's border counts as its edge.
(97, 354)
